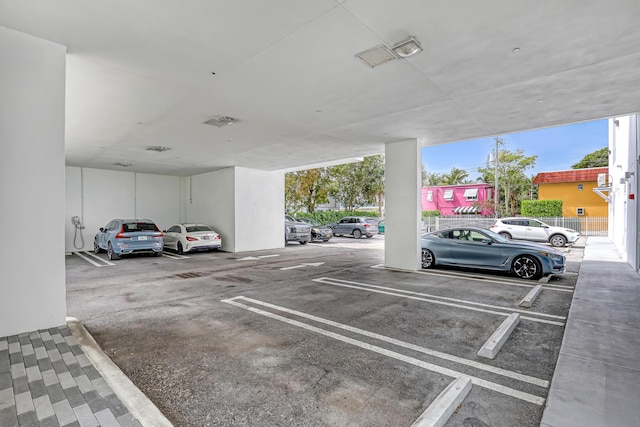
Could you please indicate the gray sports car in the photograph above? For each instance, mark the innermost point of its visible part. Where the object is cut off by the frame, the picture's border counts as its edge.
(479, 248)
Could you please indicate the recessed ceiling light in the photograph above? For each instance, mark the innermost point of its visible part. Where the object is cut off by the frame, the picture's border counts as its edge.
(123, 164)
(516, 50)
(157, 148)
(376, 56)
(221, 121)
(407, 47)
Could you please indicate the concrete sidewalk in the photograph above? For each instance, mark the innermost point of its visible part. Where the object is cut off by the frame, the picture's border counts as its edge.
(597, 376)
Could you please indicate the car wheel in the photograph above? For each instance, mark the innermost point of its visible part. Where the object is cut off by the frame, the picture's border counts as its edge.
(527, 267)
(369, 236)
(179, 248)
(558, 240)
(428, 259)
(303, 242)
(111, 254)
(506, 235)
(96, 247)
(157, 253)
(357, 234)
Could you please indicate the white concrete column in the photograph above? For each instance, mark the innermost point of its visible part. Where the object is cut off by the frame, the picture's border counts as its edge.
(32, 183)
(246, 206)
(402, 204)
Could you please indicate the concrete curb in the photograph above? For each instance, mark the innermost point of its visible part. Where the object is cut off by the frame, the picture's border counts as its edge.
(528, 300)
(495, 342)
(138, 404)
(441, 409)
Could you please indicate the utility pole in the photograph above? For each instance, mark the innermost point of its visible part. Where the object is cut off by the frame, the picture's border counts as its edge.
(495, 185)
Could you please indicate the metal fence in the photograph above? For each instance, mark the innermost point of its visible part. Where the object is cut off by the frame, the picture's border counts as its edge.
(586, 225)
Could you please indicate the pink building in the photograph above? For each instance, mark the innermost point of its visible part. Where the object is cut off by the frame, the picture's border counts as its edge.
(457, 199)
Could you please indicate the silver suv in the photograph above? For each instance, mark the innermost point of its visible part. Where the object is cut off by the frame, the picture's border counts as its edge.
(535, 230)
(356, 226)
(296, 231)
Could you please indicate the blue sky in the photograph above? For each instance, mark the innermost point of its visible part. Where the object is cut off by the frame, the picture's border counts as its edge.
(557, 148)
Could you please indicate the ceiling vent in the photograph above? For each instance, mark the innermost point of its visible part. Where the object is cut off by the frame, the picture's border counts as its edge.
(376, 56)
(221, 121)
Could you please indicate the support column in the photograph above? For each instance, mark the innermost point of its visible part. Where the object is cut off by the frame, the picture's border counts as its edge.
(402, 204)
(246, 206)
(32, 186)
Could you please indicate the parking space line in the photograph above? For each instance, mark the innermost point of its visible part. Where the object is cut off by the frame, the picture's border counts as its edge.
(493, 280)
(452, 302)
(174, 256)
(441, 409)
(434, 353)
(84, 256)
(392, 354)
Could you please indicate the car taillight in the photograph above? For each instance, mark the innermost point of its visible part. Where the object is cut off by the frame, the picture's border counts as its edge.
(120, 235)
(216, 238)
(191, 239)
(158, 234)
(366, 225)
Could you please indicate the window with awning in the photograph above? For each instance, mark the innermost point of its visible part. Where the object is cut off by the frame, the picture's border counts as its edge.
(471, 194)
(430, 196)
(448, 195)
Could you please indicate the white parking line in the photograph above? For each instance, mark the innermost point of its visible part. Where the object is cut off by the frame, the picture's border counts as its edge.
(174, 256)
(466, 276)
(428, 366)
(84, 256)
(458, 303)
(434, 353)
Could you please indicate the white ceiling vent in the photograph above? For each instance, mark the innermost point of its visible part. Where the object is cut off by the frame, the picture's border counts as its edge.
(221, 121)
(376, 56)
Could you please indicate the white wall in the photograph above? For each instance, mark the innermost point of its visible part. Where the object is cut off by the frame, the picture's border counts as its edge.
(210, 200)
(402, 205)
(245, 206)
(98, 196)
(623, 170)
(32, 88)
(259, 209)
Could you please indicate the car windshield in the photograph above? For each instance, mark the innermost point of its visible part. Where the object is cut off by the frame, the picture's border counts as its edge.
(194, 228)
(312, 222)
(139, 226)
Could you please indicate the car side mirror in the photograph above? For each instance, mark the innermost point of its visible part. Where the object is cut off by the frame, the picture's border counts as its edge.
(487, 241)
(101, 229)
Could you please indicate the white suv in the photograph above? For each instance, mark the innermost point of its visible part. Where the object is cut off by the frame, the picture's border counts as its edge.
(533, 229)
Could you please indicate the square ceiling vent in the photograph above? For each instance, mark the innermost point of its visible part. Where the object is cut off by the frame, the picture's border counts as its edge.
(376, 56)
(221, 121)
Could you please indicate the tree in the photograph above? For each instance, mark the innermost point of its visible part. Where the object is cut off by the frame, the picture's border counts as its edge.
(597, 159)
(357, 184)
(513, 184)
(431, 178)
(456, 176)
(306, 189)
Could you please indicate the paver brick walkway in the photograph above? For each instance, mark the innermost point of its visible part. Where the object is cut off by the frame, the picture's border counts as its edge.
(47, 380)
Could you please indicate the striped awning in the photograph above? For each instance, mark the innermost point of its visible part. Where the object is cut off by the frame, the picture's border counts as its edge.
(465, 210)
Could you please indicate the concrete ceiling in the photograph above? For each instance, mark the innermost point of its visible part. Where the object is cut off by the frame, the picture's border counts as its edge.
(140, 74)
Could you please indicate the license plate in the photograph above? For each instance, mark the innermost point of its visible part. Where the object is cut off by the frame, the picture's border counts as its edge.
(142, 237)
(205, 237)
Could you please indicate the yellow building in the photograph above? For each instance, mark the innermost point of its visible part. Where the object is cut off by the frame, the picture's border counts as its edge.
(575, 188)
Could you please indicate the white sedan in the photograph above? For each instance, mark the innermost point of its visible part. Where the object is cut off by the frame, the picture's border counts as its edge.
(191, 237)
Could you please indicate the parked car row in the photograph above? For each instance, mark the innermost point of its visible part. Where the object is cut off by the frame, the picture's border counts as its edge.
(128, 236)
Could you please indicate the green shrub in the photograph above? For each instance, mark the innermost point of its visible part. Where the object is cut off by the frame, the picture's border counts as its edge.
(427, 214)
(541, 208)
(329, 217)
